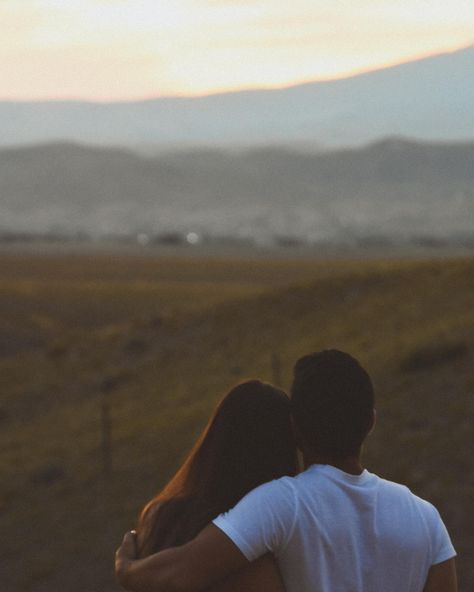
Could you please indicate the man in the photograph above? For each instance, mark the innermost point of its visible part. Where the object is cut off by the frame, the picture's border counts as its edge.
(333, 528)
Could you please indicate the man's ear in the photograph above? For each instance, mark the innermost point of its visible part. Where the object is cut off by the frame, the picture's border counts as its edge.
(373, 422)
(297, 435)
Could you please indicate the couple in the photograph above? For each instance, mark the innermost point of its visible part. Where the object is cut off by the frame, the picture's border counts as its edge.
(238, 517)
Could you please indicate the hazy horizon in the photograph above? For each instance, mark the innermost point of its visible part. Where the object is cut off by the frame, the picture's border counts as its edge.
(237, 74)
(388, 193)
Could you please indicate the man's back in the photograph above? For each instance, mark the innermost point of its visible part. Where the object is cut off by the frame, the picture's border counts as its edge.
(334, 531)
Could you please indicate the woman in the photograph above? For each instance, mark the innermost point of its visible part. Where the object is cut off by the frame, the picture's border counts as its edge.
(247, 442)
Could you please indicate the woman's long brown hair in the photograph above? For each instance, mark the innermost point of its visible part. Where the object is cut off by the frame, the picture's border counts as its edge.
(248, 441)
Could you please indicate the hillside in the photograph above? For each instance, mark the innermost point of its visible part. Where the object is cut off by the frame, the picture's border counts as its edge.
(394, 190)
(429, 99)
(411, 324)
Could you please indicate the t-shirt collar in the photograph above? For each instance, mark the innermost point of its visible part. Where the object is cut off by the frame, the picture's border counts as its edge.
(334, 472)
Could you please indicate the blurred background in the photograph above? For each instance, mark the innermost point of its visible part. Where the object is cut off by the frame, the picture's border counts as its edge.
(195, 192)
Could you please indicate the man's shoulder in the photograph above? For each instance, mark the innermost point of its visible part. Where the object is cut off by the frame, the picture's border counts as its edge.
(404, 492)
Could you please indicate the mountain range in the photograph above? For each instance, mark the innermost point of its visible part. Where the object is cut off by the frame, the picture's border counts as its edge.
(428, 99)
(390, 190)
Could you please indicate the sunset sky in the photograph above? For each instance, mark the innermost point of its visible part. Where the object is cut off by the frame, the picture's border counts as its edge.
(133, 49)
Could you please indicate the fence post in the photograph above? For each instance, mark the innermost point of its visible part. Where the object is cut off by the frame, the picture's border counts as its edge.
(106, 438)
(106, 387)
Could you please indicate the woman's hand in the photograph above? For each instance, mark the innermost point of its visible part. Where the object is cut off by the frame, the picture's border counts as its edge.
(124, 558)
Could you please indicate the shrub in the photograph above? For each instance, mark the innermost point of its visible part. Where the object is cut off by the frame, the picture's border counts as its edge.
(433, 354)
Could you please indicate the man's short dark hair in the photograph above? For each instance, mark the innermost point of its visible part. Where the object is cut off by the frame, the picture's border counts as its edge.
(332, 401)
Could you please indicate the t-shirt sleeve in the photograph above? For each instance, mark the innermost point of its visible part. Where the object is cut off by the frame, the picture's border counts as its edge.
(262, 521)
(442, 548)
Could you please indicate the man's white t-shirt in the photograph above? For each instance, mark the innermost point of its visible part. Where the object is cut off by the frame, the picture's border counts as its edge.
(336, 532)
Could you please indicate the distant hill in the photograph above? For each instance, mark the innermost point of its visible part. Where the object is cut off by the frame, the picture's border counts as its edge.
(430, 99)
(390, 190)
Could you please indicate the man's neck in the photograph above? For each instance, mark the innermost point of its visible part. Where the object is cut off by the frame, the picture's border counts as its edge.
(351, 465)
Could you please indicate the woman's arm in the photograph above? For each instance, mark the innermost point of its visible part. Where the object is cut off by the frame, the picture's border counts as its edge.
(261, 575)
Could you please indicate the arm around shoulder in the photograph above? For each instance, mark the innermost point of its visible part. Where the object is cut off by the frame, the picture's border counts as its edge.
(442, 577)
(210, 557)
(262, 575)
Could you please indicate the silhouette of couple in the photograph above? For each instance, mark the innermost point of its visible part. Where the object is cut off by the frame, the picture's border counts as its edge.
(238, 516)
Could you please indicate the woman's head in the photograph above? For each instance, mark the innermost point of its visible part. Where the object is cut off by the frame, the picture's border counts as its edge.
(247, 442)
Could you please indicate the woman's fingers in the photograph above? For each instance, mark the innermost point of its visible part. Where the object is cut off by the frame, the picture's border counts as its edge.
(124, 556)
(127, 549)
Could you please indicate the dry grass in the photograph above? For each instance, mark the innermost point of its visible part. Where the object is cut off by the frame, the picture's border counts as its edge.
(163, 373)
